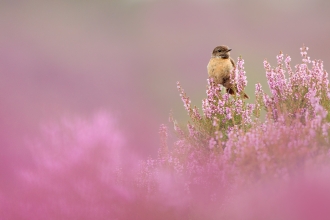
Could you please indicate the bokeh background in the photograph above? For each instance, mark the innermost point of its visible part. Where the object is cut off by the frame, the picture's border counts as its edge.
(70, 58)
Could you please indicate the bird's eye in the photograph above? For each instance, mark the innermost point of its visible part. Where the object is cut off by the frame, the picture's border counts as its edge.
(219, 50)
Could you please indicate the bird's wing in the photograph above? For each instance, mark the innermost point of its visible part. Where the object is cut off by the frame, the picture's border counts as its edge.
(233, 62)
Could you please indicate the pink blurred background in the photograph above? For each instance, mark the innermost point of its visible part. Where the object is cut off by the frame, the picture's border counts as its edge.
(76, 58)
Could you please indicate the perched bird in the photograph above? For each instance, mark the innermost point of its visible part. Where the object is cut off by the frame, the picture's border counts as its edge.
(220, 67)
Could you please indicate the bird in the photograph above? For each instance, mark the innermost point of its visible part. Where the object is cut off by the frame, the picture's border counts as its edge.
(220, 67)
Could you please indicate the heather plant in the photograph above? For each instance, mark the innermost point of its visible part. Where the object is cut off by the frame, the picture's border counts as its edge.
(293, 94)
(229, 145)
(293, 91)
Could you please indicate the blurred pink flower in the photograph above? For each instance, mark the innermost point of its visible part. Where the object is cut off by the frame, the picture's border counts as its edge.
(77, 173)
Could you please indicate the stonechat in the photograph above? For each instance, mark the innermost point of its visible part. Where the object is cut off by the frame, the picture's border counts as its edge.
(220, 67)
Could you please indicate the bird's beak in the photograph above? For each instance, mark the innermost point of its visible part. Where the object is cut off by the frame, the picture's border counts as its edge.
(228, 50)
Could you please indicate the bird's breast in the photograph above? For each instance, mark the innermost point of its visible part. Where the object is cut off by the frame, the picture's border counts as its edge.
(219, 69)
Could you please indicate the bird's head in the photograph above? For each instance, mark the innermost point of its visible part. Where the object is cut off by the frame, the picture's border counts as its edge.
(221, 51)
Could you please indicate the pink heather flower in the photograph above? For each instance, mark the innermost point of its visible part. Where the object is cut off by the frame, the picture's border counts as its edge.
(186, 101)
(192, 131)
(280, 75)
(267, 101)
(304, 54)
(239, 106)
(209, 105)
(288, 67)
(280, 58)
(177, 128)
(163, 150)
(196, 113)
(220, 107)
(225, 97)
(270, 78)
(246, 115)
(212, 90)
(318, 112)
(228, 113)
(276, 79)
(215, 122)
(212, 143)
(258, 90)
(206, 110)
(234, 76)
(239, 76)
(325, 132)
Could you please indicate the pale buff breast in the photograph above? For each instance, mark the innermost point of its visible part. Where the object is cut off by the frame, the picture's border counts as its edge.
(219, 69)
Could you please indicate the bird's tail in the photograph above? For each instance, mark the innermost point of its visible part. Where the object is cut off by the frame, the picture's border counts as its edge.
(231, 91)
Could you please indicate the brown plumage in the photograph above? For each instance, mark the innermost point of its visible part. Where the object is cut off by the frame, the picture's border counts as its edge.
(220, 67)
